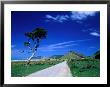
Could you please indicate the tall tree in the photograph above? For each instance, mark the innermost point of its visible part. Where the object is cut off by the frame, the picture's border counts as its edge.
(97, 55)
(34, 39)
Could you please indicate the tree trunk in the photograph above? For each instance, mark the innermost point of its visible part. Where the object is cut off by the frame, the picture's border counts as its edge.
(29, 59)
(34, 51)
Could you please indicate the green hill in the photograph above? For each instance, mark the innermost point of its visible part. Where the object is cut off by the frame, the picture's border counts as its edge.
(71, 55)
(81, 66)
(56, 56)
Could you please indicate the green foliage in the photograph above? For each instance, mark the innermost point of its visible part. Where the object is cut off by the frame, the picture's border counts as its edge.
(39, 33)
(70, 56)
(34, 39)
(85, 67)
(97, 55)
(77, 53)
(26, 43)
(89, 57)
(30, 35)
(19, 69)
(80, 67)
(36, 35)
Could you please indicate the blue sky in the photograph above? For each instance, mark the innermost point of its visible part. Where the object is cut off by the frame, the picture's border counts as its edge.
(66, 30)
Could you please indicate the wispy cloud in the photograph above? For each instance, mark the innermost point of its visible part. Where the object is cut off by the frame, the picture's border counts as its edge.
(54, 47)
(74, 15)
(92, 31)
(81, 15)
(62, 43)
(57, 18)
(61, 46)
(12, 46)
(95, 34)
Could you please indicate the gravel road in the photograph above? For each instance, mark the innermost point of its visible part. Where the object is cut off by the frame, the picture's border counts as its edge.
(58, 70)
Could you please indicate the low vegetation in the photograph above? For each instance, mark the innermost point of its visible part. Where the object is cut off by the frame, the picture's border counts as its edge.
(20, 69)
(80, 65)
(85, 67)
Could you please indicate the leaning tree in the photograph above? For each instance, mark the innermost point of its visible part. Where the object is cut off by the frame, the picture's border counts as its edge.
(34, 39)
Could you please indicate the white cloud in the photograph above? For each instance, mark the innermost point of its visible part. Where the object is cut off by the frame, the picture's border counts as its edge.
(67, 42)
(92, 31)
(54, 47)
(57, 18)
(51, 17)
(74, 15)
(80, 15)
(62, 43)
(63, 18)
(95, 34)
(61, 46)
(87, 13)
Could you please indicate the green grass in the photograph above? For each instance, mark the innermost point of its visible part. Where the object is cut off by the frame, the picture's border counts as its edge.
(85, 67)
(78, 67)
(19, 69)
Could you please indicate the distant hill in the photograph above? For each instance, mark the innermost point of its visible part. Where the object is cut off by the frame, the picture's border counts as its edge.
(56, 56)
(78, 54)
(38, 57)
(71, 55)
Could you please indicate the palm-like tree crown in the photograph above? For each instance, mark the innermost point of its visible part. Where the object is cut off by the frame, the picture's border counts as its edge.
(39, 33)
(35, 35)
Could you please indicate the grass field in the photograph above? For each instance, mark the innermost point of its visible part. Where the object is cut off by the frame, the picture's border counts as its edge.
(19, 69)
(85, 67)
